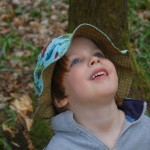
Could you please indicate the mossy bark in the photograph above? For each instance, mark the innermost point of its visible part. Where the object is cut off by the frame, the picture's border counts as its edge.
(111, 17)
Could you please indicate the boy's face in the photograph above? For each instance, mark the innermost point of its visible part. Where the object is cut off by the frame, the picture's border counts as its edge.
(91, 77)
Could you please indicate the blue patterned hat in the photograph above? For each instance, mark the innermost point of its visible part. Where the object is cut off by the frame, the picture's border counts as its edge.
(56, 49)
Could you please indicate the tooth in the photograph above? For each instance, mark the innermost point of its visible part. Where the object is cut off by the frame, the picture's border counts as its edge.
(97, 74)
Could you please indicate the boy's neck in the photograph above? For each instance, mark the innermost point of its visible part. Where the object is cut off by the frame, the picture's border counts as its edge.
(105, 123)
(100, 118)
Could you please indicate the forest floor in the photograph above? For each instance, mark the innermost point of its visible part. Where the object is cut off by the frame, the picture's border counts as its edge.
(25, 27)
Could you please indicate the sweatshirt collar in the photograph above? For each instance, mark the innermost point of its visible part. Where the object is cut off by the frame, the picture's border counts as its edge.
(133, 109)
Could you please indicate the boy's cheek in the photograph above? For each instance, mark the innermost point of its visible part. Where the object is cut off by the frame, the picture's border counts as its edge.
(76, 81)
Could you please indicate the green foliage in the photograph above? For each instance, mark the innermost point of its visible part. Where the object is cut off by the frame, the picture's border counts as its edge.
(3, 144)
(18, 10)
(6, 43)
(139, 4)
(12, 41)
(49, 1)
(140, 33)
(35, 13)
(66, 1)
(9, 122)
(33, 50)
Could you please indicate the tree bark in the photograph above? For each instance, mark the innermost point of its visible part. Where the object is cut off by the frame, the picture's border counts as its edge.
(108, 15)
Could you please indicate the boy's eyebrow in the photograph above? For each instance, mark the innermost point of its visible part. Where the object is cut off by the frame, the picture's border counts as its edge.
(98, 50)
(72, 56)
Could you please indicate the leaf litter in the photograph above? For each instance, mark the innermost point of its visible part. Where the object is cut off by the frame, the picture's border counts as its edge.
(25, 28)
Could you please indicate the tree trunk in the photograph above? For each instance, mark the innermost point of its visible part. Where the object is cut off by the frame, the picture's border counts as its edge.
(111, 17)
(108, 15)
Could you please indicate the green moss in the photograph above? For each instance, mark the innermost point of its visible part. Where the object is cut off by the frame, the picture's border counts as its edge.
(141, 85)
(40, 133)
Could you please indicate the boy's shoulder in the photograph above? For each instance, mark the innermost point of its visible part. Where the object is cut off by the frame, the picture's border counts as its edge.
(143, 126)
(146, 120)
(56, 143)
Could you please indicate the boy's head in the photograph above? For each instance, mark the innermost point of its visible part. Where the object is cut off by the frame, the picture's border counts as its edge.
(84, 68)
(72, 66)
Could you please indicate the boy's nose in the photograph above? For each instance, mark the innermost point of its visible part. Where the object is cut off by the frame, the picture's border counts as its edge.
(94, 60)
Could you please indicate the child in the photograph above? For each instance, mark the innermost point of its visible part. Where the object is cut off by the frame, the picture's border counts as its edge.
(83, 81)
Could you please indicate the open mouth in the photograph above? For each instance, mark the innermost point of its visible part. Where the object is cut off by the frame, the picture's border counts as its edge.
(97, 74)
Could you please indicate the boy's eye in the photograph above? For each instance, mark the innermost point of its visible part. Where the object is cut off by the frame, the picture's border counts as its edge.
(98, 54)
(75, 61)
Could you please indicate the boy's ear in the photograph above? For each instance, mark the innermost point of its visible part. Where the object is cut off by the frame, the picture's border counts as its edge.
(61, 103)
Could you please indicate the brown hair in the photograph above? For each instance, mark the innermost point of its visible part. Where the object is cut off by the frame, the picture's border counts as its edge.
(57, 87)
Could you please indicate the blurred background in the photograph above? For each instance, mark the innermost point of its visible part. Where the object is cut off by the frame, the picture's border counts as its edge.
(25, 27)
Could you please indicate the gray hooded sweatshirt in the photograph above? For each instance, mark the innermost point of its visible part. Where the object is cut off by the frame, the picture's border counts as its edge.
(135, 134)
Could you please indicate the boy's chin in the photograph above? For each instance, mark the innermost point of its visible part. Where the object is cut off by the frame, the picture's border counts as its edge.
(110, 92)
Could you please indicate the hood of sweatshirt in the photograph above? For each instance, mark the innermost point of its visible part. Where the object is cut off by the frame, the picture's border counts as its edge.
(133, 109)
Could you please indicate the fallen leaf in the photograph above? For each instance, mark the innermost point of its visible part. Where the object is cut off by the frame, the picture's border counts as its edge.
(18, 22)
(4, 24)
(9, 129)
(4, 31)
(144, 15)
(23, 107)
(6, 16)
